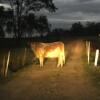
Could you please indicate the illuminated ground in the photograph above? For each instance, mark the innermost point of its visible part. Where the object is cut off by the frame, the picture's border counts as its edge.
(52, 83)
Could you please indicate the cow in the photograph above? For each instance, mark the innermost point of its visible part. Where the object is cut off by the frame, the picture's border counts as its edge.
(49, 50)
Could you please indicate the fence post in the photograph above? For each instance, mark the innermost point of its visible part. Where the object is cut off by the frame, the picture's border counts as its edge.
(88, 50)
(6, 68)
(24, 57)
(3, 67)
(96, 57)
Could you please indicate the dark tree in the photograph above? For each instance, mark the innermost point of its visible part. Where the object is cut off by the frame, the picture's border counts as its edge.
(93, 28)
(97, 28)
(23, 7)
(28, 24)
(2, 34)
(77, 28)
(5, 18)
(31, 23)
(90, 26)
(42, 24)
(2, 16)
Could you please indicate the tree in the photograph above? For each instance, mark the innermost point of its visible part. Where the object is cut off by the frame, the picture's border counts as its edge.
(91, 28)
(1, 32)
(77, 28)
(23, 7)
(1, 21)
(28, 23)
(97, 28)
(5, 18)
(42, 24)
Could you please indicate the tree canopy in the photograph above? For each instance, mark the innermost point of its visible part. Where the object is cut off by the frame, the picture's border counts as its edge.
(24, 7)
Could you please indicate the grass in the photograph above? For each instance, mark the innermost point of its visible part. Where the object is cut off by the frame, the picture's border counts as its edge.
(15, 63)
(92, 71)
(4, 80)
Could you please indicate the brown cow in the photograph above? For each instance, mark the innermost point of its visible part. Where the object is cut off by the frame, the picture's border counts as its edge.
(49, 50)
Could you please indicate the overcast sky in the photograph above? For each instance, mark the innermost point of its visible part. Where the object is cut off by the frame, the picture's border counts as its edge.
(70, 11)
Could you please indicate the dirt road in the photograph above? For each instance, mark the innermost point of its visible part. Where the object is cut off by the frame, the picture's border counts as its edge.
(52, 83)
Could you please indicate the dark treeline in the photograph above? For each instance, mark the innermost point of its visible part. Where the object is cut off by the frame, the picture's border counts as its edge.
(78, 29)
(30, 24)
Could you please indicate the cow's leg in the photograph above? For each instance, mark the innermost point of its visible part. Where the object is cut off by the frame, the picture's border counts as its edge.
(58, 62)
(64, 59)
(61, 61)
(41, 61)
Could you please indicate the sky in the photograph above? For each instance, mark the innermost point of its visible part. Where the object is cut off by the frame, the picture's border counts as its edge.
(70, 11)
(6, 6)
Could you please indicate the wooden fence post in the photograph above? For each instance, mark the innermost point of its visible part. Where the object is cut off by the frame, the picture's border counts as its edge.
(3, 67)
(7, 63)
(88, 50)
(96, 57)
(24, 57)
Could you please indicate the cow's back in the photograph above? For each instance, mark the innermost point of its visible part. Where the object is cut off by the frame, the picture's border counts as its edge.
(47, 49)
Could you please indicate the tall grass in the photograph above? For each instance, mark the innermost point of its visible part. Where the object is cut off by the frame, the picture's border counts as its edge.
(19, 58)
(93, 71)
